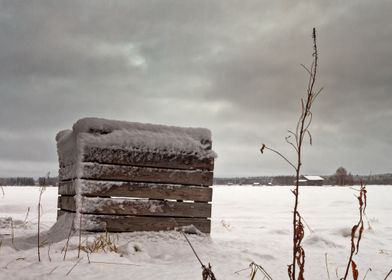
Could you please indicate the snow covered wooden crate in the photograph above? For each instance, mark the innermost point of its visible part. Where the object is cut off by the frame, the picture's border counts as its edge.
(124, 176)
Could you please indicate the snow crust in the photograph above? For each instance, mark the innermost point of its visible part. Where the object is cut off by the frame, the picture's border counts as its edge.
(97, 204)
(248, 224)
(132, 136)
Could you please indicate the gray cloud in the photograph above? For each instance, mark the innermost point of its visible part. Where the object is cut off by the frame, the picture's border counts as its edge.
(232, 66)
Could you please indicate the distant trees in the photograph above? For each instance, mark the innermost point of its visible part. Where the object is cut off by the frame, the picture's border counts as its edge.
(17, 181)
(343, 178)
(47, 181)
(29, 181)
(348, 179)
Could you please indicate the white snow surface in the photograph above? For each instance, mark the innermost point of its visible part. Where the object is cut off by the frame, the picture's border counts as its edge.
(248, 224)
(129, 136)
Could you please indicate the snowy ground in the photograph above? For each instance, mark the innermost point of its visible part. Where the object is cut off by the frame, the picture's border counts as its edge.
(248, 224)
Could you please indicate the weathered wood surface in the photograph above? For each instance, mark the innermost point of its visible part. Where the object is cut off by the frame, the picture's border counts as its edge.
(104, 206)
(148, 159)
(127, 223)
(137, 174)
(133, 189)
(68, 172)
(111, 223)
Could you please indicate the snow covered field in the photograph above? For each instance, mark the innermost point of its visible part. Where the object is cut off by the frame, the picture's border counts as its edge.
(248, 224)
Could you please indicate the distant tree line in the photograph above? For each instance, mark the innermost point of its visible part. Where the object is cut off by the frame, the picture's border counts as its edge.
(29, 181)
(341, 178)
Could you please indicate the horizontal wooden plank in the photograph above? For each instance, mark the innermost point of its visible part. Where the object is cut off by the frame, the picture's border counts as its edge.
(66, 203)
(136, 174)
(134, 189)
(69, 172)
(136, 207)
(111, 223)
(148, 159)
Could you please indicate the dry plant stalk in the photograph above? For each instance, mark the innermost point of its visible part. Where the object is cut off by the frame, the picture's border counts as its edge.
(367, 271)
(41, 191)
(254, 268)
(65, 249)
(326, 266)
(207, 273)
(27, 215)
(13, 234)
(102, 243)
(72, 268)
(295, 139)
(389, 273)
(357, 230)
(80, 229)
(49, 257)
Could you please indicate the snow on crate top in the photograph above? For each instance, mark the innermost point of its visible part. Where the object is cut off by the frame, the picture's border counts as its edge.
(96, 132)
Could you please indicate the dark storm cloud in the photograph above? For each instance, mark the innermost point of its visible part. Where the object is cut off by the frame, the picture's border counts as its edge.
(232, 66)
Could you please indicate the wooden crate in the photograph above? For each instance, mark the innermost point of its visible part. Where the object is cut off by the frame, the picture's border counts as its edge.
(118, 190)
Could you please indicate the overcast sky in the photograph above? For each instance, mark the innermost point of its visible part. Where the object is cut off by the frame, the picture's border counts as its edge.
(230, 66)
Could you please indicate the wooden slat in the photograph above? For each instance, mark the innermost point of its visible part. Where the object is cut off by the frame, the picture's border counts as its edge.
(113, 223)
(150, 159)
(133, 189)
(68, 172)
(98, 205)
(138, 174)
(66, 203)
(67, 187)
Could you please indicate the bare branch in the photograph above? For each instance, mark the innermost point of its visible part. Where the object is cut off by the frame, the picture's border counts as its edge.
(389, 273)
(310, 115)
(367, 271)
(316, 94)
(69, 272)
(326, 265)
(291, 143)
(310, 78)
(310, 137)
(302, 128)
(306, 68)
(279, 154)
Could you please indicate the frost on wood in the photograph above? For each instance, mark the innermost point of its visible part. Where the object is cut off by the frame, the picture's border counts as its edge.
(89, 135)
(155, 177)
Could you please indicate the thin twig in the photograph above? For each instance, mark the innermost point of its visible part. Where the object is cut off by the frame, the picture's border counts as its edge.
(190, 244)
(207, 272)
(68, 238)
(113, 263)
(13, 234)
(74, 266)
(306, 68)
(265, 273)
(80, 228)
(278, 153)
(389, 273)
(50, 259)
(326, 265)
(50, 272)
(41, 191)
(367, 271)
(27, 215)
(307, 225)
(238, 271)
